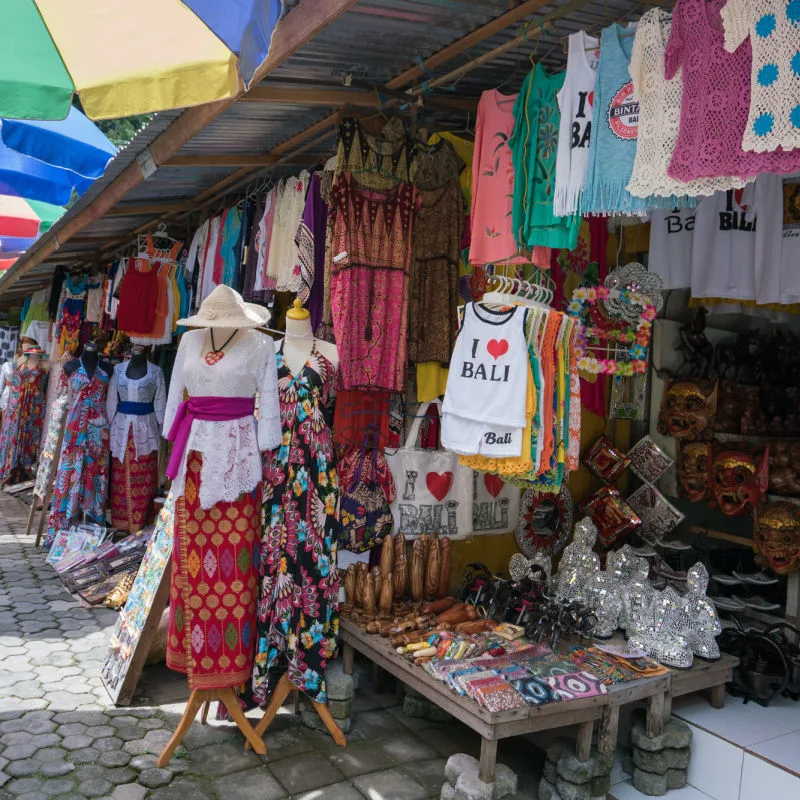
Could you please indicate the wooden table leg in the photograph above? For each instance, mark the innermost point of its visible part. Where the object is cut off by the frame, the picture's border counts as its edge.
(583, 746)
(377, 678)
(655, 715)
(278, 696)
(607, 730)
(718, 696)
(31, 515)
(488, 760)
(204, 714)
(231, 702)
(196, 700)
(347, 658)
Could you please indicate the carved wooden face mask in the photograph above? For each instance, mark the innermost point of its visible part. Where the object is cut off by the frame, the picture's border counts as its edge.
(694, 469)
(688, 408)
(738, 478)
(776, 539)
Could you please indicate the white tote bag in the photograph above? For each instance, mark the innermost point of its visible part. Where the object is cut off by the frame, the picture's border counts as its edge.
(434, 491)
(495, 506)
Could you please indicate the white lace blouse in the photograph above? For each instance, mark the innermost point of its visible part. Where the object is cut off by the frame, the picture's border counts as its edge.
(148, 389)
(231, 449)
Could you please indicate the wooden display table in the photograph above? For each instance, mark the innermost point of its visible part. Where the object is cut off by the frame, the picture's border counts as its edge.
(492, 726)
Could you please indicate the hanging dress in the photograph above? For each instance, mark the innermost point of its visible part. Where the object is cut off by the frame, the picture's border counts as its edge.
(298, 614)
(136, 410)
(81, 484)
(216, 470)
(22, 422)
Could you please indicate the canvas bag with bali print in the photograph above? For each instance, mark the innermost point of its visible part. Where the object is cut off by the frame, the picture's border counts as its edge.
(434, 491)
(495, 506)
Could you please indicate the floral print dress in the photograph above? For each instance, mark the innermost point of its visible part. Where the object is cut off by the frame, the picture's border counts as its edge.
(22, 423)
(81, 485)
(298, 610)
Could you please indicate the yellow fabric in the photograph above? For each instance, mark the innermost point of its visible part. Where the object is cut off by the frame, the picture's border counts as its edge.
(519, 464)
(130, 57)
(789, 308)
(465, 149)
(431, 380)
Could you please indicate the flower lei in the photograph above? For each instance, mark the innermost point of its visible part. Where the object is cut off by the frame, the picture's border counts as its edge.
(638, 339)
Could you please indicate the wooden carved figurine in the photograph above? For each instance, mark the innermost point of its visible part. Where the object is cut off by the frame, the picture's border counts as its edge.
(361, 584)
(370, 598)
(432, 569)
(417, 571)
(444, 566)
(386, 596)
(350, 584)
(375, 574)
(400, 571)
(387, 557)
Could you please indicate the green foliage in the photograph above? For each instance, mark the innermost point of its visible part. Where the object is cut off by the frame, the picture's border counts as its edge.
(122, 130)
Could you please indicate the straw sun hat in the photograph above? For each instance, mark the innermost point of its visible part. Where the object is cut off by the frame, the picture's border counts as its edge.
(225, 308)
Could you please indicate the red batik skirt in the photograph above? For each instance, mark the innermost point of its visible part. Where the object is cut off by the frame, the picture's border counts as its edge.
(214, 586)
(134, 484)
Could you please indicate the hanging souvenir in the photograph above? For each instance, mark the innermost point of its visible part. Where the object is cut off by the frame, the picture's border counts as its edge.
(495, 504)
(611, 514)
(628, 395)
(635, 278)
(784, 468)
(648, 460)
(694, 470)
(657, 514)
(739, 477)
(605, 460)
(602, 332)
(688, 409)
(545, 522)
(776, 537)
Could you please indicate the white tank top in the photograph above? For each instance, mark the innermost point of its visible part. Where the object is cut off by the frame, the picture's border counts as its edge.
(488, 377)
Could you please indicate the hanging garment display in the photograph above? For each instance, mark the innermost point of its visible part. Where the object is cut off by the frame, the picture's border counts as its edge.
(81, 484)
(216, 471)
(36, 324)
(21, 431)
(436, 164)
(659, 117)
(533, 149)
(135, 408)
(575, 101)
(310, 241)
(615, 125)
(484, 405)
(70, 315)
(298, 613)
(433, 305)
(772, 27)
(671, 240)
(716, 99)
(371, 246)
(283, 264)
(434, 492)
(492, 237)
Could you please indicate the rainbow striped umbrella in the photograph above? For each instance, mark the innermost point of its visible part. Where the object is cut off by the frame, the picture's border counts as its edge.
(21, 223)
(126, 57)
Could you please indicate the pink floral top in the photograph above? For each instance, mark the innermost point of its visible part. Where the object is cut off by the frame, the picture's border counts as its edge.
(493, 181)
(716, 99)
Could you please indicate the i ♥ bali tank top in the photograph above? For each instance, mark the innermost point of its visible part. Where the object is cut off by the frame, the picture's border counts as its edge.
(488, 374)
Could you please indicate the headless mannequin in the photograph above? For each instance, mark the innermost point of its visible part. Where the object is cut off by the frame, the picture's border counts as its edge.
(90, 358)
(300, 340)
(137, 366)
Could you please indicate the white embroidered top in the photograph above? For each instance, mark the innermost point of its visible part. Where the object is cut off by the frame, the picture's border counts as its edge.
(659, 116)
(773, 27)
(283, 262)
(231, 449)
(145, 427)
(575, 101)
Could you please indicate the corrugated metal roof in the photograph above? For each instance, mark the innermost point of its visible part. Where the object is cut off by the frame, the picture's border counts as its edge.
(373, 42)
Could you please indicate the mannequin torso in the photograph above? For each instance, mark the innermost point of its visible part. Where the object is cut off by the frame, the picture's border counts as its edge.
(137, 366)
(298, 343)
(90, 358)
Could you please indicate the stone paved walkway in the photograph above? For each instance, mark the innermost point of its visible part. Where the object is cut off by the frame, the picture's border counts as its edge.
(61, 738)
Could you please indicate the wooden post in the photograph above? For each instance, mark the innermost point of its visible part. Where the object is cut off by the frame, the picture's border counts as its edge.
(655, 715)
(718, 696)
(607, 730)
(488, 760)
(583, 746)
(347, 658)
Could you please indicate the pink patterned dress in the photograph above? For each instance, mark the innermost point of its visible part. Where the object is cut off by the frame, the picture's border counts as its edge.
(22, 422)
(371, 262)
(298, 613)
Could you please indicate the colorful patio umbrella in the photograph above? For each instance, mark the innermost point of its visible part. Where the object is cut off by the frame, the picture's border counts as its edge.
(21, 224)
(27, 177)
(126, 57)
(74, 143)
(17, 218)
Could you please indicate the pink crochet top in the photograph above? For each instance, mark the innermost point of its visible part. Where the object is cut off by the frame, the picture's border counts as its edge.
(716, 99)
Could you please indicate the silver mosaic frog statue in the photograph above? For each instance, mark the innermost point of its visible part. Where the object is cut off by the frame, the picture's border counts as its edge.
(703, 622)
(578, 564)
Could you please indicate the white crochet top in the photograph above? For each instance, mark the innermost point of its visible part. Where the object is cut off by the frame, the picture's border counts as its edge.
(283, 262)
(231, 449)
(659, 116)
(774, 30)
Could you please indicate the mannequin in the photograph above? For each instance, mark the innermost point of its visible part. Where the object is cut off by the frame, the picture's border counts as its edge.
(299, 340)
(90, 358)
(137, 366)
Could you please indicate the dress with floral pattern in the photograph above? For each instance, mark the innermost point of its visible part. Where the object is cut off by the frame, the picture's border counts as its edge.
(298, 611)
(22, 423)
(81, 485)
